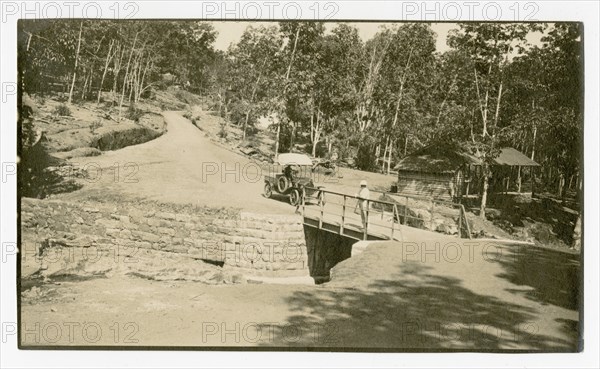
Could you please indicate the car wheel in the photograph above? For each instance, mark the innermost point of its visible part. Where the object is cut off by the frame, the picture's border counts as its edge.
(282, 184)
(268, 190)
(295, 197)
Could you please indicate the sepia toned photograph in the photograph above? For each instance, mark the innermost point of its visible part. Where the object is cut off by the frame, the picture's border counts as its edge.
(300, 185)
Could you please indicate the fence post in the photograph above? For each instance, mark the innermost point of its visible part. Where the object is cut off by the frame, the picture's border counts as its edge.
(343, 216)
(366, 225)
(321, 217)
(394, 211)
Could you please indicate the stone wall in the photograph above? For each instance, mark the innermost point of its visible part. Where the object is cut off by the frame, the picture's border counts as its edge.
(255, 245)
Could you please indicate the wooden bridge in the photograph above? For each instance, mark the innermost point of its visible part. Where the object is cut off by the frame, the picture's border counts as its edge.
(339, 213)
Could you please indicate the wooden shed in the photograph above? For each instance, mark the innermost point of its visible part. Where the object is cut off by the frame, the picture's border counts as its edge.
(448, 173)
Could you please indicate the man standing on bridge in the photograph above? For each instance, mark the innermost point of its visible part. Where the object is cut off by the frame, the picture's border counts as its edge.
(363, 196)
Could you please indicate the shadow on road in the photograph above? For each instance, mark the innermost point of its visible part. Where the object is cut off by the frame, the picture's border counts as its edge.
(414, 310)
(553, 276)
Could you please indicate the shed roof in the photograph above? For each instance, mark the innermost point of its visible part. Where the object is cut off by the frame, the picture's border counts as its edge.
(513, 157)
(443, 159)
(435, 159)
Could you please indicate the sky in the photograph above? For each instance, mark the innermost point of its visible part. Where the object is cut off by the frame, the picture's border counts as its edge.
(231, 31)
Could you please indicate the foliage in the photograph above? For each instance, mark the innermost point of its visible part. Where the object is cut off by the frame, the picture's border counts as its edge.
(134, 113)
(62, 110)
(127, 58)
(223, 130)
(187, 97)
(326, 89)
(365, 156)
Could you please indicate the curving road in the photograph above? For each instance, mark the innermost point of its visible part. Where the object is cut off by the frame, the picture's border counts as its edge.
(182, 166)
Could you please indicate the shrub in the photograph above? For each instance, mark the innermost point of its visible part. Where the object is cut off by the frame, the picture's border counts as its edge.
(94, 126)
(62, 110)
(187, 97)
(134, 113)
(365, 156)
(223, 130)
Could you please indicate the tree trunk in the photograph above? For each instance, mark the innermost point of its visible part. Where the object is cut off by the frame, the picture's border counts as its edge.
(317, 133)
(108, 56)
(287, 77)
(484, 193)
(571, 182)
(390, 151)
(256, 84)
(76, 61)
(126, 75)
(117, 69)
(293, 135)
(385, 149)
(577, 234)
(245, 125)
(149, 65)
(482, 106)
(533, 143)
(561, 184)
(277, 140)
(498, 100)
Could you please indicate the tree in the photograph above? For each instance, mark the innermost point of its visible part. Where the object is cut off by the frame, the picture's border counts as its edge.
(489, 46)
(406, 71)
(254, 67)
(301, 58)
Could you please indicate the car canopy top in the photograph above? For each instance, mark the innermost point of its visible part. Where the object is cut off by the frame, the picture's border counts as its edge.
(298, 159)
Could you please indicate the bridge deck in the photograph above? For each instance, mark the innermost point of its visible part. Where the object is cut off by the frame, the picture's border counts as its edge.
(385, 220)
(380, 226)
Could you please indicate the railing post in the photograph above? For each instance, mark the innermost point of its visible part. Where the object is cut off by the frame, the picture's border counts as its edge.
(343, 216)
(366, 225)
(394, 211)
(321, 217)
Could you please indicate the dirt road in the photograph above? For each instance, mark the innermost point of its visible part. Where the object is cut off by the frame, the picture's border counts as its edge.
(424, 297)
(182, 166)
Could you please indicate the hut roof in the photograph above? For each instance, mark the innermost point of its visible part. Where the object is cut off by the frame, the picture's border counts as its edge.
(444, 159)
(435, 159)
(513, 157)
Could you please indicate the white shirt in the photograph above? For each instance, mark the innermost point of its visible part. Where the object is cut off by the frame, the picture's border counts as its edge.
(364, 194)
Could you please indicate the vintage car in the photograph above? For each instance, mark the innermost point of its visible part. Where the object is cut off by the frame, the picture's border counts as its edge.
(291, 176)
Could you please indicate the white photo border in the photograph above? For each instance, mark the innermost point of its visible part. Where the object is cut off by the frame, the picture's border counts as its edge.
(545, 11)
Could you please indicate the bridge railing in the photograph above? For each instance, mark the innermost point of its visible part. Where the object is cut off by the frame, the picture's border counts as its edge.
(432, 214)
(393, 210)
(382, 218)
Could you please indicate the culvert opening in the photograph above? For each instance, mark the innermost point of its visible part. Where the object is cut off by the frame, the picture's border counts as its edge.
(325, 250)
